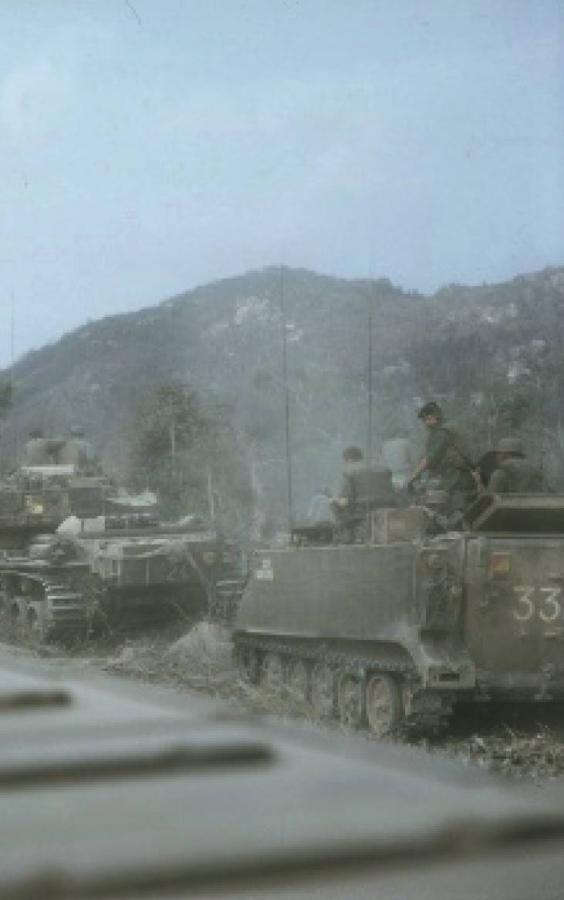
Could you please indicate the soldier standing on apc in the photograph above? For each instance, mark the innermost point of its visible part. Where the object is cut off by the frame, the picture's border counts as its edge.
(446, 458)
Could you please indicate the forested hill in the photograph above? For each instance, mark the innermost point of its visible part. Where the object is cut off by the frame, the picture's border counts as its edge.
(492, 353)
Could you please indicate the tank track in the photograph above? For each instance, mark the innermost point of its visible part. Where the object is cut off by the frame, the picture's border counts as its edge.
(425, 711)
(50, 610)
(59, 605)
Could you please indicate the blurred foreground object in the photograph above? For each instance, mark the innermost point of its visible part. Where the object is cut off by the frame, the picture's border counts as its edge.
(110, 790)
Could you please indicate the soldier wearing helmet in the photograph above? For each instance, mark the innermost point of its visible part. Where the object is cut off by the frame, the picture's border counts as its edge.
(513, 474)
(446, 458)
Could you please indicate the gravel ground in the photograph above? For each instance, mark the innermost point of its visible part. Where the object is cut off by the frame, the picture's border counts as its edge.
(534, 750)
(525, 742)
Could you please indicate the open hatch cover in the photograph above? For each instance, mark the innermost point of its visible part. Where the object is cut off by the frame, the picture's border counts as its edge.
(522, 513)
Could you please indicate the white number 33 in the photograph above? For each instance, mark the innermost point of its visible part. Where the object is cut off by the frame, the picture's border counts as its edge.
(548, 605)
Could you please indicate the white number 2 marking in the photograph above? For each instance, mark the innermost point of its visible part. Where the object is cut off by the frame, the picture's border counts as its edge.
(548, 607)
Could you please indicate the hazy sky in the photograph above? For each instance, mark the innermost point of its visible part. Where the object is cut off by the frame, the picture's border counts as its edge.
(147, 146)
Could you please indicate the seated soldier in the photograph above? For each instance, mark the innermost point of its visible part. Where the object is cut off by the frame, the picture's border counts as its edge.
(364, 487)
(513, 473)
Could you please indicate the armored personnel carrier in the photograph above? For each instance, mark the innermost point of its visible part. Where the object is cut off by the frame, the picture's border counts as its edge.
(78, 554)
(397, 628)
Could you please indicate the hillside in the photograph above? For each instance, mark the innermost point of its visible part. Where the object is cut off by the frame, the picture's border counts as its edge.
(493, 353)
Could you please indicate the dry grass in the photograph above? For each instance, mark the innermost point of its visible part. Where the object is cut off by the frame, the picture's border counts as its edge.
(201, 660)
(539, 756)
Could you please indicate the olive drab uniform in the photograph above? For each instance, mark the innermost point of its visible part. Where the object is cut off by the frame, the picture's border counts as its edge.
(364, 487)
(515, 475)
(448, 460)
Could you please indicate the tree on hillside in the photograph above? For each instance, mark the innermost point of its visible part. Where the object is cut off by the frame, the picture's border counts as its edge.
(168, 428)
(6, 397)
(190, 455)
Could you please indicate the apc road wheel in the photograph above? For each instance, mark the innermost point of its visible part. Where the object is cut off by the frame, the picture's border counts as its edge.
(35, 629)
(12, 621)
(323, 691)
(272, 675)
(297, 680)
(249, 664)
(384, 708)
(350, 700)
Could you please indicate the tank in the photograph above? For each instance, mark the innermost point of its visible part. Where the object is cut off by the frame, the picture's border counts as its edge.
(79, 554)
(395, 630)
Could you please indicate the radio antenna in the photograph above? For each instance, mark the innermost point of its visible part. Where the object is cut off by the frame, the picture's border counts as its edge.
(286, 398)
(12, 360)
(369, 378)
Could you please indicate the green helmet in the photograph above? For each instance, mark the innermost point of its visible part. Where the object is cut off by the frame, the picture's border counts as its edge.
(430, 409)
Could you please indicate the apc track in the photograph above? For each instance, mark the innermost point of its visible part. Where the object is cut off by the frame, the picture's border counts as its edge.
(359, 690)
